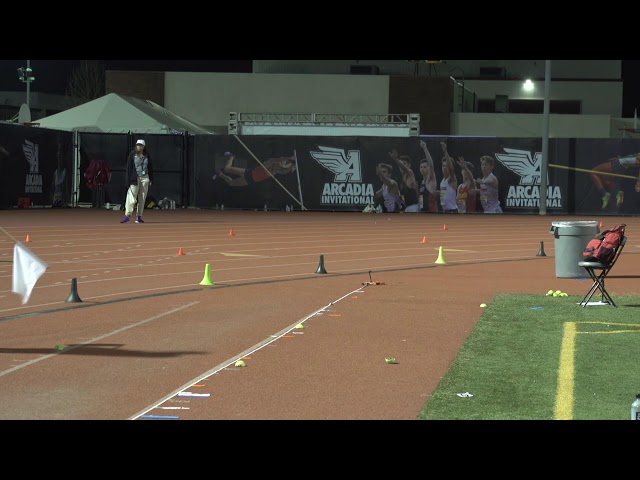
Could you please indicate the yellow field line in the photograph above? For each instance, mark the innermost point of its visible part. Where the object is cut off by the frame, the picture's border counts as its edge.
(564, 396)
(566, 374)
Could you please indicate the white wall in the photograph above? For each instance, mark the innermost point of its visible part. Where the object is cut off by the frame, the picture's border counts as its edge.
(207, 98)
(571, 69)
(598, 98)
(530, 125)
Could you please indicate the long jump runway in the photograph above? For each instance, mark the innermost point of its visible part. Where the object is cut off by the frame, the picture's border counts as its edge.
(147, 341)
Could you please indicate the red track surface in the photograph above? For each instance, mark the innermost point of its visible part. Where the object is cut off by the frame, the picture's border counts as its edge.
(146, 331)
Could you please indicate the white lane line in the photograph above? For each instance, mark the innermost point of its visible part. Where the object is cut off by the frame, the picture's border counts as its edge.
(101, 337)
(272, 338)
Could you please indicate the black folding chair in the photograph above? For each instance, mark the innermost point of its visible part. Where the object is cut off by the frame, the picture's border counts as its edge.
(598, 272)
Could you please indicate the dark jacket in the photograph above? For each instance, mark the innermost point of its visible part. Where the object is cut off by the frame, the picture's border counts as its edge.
(132, 176)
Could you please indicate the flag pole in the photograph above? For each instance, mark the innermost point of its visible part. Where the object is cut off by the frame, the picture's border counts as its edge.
(8, 234)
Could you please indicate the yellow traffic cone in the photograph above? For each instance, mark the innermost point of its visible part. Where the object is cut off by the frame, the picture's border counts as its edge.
(441, 260)
(206, 280)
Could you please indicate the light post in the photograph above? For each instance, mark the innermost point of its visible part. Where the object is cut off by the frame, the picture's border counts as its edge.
(24, 75)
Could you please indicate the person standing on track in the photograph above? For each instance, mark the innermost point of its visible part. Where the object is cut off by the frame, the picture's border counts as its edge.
(140, 177)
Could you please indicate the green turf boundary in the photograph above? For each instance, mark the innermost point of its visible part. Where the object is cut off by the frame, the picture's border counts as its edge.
(538, 357)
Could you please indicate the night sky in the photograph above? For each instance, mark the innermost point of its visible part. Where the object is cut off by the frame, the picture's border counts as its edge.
(51, 76)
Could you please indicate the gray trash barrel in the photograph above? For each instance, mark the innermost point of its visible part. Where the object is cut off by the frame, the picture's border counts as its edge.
(570, 240)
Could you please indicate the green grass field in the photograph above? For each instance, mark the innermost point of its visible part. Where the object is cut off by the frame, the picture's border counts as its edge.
(537, 357)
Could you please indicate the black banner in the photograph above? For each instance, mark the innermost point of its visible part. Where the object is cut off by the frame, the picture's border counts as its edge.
(36, 166)
(412, 174)
(343, 174)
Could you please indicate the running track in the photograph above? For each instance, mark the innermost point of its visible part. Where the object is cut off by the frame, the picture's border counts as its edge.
(148, 342)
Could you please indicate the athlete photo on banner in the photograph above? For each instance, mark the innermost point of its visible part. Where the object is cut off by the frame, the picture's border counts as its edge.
(256, 172)
(606, 173)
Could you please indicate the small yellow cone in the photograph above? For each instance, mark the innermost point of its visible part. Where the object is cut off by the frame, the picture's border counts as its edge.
(206, 280)
(299, 325)
(240, 363)
(441, 260)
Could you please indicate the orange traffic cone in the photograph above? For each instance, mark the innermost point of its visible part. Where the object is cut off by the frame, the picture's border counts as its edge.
(231, 232)
(445, 227)
(180, 252)
(28, 239)
(424, 239)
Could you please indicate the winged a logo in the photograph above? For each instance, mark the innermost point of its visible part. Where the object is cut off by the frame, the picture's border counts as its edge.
(520, 162)
(30, 150)
(346, 167)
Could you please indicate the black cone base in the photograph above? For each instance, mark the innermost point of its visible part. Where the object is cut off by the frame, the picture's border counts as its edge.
(73, 296)
(321, 265)
(541, 251)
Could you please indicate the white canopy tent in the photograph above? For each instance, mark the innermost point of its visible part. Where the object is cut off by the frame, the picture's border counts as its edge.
(115, 113)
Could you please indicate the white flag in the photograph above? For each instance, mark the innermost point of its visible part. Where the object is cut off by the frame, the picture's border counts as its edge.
(27, 269)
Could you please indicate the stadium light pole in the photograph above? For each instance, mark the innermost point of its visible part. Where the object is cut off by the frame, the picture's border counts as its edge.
(544, 167)
(24, 75)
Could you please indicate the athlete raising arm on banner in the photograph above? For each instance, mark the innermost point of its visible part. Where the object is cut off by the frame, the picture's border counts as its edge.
(488, 186)
(448, 184)
(389, 192)
(428, 185)
(408, 186)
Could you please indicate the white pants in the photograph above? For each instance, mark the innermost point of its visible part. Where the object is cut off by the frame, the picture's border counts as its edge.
(137, 197)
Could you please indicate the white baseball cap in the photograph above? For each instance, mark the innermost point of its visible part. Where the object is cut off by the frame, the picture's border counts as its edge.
(141, 142)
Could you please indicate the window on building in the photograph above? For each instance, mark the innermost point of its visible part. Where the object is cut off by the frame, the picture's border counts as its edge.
(488, 105)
